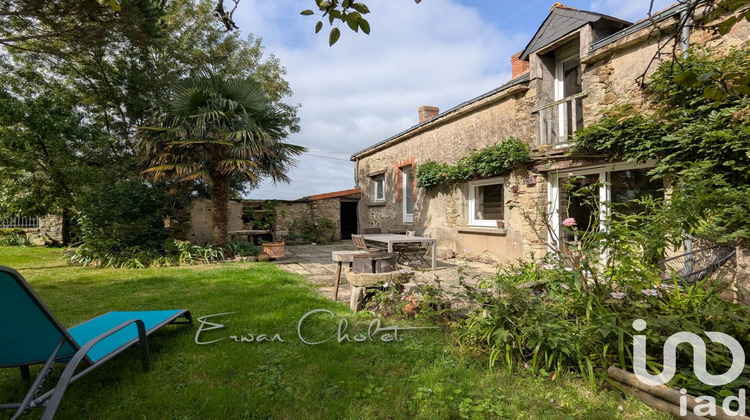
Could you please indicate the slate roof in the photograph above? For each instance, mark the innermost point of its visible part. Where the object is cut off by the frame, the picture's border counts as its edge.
(513, 82)
(560, 22)
(667, 13)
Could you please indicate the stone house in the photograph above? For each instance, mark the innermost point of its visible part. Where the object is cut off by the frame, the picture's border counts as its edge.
(577, 64)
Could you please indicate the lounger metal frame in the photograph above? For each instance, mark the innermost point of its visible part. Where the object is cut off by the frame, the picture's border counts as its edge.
(50, 400)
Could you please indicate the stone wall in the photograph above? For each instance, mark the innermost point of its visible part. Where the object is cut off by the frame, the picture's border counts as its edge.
(740, 274)
(439, 213)
(329, 208)
(50, 228)
(201, 220)
(288, 212)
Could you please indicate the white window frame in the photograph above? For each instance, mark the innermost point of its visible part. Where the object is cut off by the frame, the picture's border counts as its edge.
(472, 201)
(565, 55)
(406, 172)
(605, 192)
(378, 179)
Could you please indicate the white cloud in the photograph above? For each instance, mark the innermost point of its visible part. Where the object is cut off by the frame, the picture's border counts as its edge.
(368, 88)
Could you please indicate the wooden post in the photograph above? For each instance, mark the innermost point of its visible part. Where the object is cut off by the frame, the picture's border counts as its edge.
(336, 284)
(670, 395)
(657, 403)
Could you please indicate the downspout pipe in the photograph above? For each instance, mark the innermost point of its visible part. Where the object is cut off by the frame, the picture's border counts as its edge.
(686, 20)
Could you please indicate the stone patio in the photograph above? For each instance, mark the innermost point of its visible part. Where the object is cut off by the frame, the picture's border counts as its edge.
(314, 262)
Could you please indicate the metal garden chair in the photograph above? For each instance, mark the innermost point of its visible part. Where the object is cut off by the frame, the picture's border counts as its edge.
(30, 335)
(411, 252)
(695, 266)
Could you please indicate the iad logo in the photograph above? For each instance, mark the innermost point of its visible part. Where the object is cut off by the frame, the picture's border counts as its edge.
(703, 405)
(699, 357)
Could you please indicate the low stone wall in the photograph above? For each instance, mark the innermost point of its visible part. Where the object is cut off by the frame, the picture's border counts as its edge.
(201, 217)
(50, 228)
(201, 220)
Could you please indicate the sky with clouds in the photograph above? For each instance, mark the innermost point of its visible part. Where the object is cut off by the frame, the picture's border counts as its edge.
(367, 88)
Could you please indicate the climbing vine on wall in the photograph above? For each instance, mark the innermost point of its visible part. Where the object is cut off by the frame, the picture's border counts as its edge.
(699, 133)
(480, 163)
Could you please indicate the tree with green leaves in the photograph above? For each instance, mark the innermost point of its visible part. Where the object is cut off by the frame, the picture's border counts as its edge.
(37, 25)
(70, 105)
(217, 129)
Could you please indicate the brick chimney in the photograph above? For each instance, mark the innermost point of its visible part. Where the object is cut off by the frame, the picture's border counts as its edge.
(518, 66)
(427, 112)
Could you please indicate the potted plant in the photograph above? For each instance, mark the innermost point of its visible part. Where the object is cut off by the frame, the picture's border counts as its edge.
(274, 250)
(501, 224)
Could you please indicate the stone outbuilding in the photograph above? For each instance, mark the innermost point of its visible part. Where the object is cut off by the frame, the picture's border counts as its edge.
(281, 217)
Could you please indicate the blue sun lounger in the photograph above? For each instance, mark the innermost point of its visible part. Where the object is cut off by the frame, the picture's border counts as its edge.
(30, 335)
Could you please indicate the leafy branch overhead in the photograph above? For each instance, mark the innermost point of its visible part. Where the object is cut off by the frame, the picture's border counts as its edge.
(346, 11)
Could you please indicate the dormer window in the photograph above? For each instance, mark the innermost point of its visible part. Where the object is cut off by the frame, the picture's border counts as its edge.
(568, 87)
(560, 110)
(567, 71)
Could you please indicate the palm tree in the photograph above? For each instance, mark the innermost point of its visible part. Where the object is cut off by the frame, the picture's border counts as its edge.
(217, 129)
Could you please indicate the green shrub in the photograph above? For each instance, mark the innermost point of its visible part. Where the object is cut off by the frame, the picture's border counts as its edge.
(171, 252)
(242, 249)
(559, 326)
(266, 219)
(14, 237)
(114, 219)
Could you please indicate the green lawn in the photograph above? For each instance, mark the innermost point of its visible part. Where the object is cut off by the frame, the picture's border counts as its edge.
(420, 377)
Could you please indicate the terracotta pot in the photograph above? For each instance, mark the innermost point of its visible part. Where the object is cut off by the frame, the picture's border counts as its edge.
(501, 224)
(274, 249)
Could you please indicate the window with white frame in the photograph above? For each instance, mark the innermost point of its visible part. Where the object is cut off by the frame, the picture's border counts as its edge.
(568, 84)
(582, 194)
(486, 204)
(378, 188)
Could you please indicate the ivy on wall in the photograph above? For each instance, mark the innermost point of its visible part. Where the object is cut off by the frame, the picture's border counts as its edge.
(699, 133)
(480, 163)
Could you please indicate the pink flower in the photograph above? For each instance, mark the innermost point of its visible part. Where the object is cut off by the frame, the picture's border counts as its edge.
(618, 295)
(650, 292)
(564, 286)
(569, 222)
